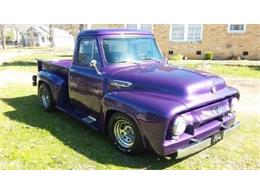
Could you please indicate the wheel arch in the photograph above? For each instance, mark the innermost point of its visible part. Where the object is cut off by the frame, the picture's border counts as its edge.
(110, 112)
(40, 82)
(151, 118)
(56, 84)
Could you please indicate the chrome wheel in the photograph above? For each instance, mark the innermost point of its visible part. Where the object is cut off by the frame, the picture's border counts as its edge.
(45, 98)
(124, 133)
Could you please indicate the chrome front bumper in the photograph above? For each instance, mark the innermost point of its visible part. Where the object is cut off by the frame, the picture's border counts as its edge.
(181, 153)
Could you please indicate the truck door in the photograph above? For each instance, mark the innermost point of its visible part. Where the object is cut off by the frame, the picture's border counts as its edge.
(84, 82)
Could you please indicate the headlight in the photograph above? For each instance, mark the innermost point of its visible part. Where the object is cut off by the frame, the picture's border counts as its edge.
(179, 126)
(234, 104)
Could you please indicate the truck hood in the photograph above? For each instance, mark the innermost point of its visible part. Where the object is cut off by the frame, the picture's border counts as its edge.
(167, 81)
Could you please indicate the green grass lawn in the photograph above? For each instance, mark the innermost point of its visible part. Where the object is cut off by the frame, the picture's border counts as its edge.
(228, 71)
(33, 139)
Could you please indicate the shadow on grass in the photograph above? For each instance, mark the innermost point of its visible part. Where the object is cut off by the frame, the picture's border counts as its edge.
(257, 68)
(19, 63)
(65, 55)
(92, 144)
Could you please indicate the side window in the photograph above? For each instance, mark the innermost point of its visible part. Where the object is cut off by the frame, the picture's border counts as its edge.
(88, 51)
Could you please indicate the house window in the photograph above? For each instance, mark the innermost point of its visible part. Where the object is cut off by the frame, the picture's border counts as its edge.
(194, 32)
(131, 26)
(43, 39)
(186, 32)
(147, 27)
(237, 28)
(178, 32)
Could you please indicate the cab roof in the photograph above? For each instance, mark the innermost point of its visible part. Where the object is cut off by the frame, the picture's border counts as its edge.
(114, 31)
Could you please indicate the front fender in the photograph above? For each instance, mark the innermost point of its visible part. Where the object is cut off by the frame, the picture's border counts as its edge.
(151, 113)
(57, 85)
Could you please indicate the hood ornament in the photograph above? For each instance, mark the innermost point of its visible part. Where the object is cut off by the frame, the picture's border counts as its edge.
(213, 90)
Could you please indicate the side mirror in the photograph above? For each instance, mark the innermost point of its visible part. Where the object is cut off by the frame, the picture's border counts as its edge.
(93, 64)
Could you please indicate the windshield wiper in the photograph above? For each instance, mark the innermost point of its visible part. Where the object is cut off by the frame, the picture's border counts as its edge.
(138, 62)
(150, 58)
(126, 61)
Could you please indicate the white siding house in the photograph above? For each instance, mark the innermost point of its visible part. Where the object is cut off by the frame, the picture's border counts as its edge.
(38, 35)
(63, 39)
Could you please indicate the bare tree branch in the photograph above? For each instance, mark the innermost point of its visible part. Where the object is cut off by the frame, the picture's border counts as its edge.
(83, 27)
(2, 28)
(51, 32)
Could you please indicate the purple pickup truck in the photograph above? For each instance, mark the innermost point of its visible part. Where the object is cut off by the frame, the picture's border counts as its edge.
(119, 82)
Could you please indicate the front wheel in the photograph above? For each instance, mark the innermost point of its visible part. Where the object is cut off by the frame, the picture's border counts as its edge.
(125, 134)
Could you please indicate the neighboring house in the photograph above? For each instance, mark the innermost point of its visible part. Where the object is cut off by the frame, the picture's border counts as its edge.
(63, 39)
(38, 35)
(193, 40)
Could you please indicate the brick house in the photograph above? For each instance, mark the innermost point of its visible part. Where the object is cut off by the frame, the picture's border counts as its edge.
(193, 40)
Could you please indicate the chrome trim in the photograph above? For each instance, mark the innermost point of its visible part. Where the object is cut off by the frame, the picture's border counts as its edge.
(124, 133)
(92, 118)
(45, 98)
(181, 153)
(93, 64)
(214, 111)
(213, 89)
(89, 119)
(119, 84)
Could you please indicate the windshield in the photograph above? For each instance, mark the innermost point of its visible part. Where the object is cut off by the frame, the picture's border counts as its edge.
(123, 50)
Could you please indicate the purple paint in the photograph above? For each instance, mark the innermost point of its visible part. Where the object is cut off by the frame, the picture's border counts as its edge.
(157, 94)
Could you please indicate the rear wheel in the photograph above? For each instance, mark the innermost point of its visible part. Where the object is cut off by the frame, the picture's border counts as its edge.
(125, 134)
(46, 98)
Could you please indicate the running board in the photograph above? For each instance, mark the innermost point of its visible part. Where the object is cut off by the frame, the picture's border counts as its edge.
(89, 119)
(85, 118)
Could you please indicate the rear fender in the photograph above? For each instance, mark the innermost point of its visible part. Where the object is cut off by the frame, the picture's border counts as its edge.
(57, 85)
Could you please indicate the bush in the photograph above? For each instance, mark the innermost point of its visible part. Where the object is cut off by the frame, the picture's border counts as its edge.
(9, 36)
(208, 55)
(176, 57)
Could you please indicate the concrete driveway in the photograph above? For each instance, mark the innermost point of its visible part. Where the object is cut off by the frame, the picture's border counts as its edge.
(249, 94)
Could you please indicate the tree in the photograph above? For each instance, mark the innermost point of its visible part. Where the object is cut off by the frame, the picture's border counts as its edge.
(32, 38)
(2, 28)
(83, 27)
(51, 32)
(16, 29)
(73, 29)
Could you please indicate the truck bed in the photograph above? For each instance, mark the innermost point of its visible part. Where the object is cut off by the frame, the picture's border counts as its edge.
(59, 67)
